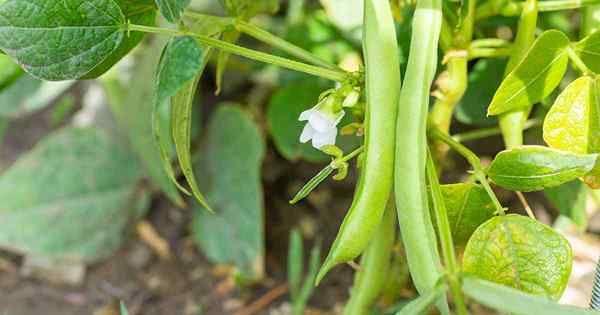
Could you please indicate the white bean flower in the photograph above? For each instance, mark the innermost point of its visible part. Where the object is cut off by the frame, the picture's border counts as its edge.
(321, 127)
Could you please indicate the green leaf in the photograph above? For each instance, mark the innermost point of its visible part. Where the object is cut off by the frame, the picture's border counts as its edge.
(570, 200)
(60, 40)
(70, 197)
(531, 168)
(9, 71)
(522, 253)
(484, 80)
(516, 302)
(423, 303)
(588, 50)
(133, 112)
(234, 235)
(181, 61)
(247, 9)
(28, 94)
(181, 124)
(468, 207)
(573, 122)
(172, 10)
(535, 77)
(140, 12)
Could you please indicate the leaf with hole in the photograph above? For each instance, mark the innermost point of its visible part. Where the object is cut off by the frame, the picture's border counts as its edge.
(573, 122)
(522, 253)
(535, 77)
(60, 40)
(531, 168)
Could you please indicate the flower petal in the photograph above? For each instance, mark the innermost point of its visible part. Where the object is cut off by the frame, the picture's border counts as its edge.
(307, 133)
(321, 122)
(324, 138)
(305, 115)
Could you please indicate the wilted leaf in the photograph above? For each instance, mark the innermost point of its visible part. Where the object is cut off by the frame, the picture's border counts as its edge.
(570, 199)
(172, 10)
(530, 168)
(536, 76)
(573, 122)
(140, 12)
(231, 182)
(522, 253)
(60, 40)
(588, 50)
(468, 207)
(69, 197)
(484, 79)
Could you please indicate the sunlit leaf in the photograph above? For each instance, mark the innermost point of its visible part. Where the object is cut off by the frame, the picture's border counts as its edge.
(588, 50)
(522, 253)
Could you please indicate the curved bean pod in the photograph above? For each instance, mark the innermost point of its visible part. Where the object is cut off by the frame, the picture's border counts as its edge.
(382, 76)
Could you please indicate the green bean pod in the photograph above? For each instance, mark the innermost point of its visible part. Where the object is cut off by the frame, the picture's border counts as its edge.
(513, 123)
(416, 227)
(375, 265)
(382, 74)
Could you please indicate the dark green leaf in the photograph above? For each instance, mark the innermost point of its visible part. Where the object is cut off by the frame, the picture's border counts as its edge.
(570, 199)
(531, 168)
(181, 61)
(536, 76)
(140, 12)
(468, 206)
(588, 50)
(172, 10)
(522, 253)
(231, 181)
(69, 198)
(513, 301)
(484, 80)
(60, 40)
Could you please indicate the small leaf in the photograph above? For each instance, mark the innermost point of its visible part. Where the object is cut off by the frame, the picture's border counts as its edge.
(522, 253)
(468, 207)
(588, 50)
(536, 76)
(179, 64)
(140, 12)
(235, 234)
(172, 10)
(516, 302)
(60, 40)
(181, 124)
(570, 199)
(70, 197)
(573, 122)
(312, 184)
(531, 168)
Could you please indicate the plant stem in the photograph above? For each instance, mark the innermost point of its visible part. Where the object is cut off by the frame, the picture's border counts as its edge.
(350, 155)
(488, 132)
(445, 235)
(578, 62)
(335, 75)
(473, 159)
(490, 43)
(475, 53)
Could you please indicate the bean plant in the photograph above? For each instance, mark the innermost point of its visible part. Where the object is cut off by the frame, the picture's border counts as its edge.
(462, 246)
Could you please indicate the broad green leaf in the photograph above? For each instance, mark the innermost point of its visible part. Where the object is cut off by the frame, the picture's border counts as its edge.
(588, 50)
(536, 76)
(28, 94)
(172, 10)
(247, 9)
(522, 253)
(468, 207)
(231, 181)
(60, 40)
(423, 303)
(531, 168)
(570, 200)
(516, 302)
(180, 63)
(9, 71)
(484, 80)
(573, 122)
(70, 197)
(133, 112)
(140, 12)
(181, 124)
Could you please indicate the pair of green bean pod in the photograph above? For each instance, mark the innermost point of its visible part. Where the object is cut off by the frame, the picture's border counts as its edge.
(395, 145)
